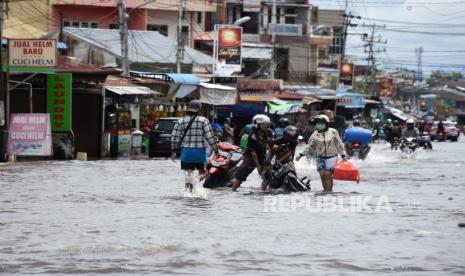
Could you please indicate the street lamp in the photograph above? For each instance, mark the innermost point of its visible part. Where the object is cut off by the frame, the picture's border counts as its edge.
(241, 20)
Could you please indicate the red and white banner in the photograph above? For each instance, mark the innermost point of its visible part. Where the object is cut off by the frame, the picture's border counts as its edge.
(30, 135)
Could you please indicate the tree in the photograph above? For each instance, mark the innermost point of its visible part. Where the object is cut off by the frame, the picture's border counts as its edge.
(440, 77)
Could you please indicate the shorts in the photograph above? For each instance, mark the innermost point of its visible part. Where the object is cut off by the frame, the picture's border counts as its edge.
(193, 158)
(326, 163)
(247, 167)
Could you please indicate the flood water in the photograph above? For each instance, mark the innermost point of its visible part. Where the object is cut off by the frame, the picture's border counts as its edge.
(132, 217)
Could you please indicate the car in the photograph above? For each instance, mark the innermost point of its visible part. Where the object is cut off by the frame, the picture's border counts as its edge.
(160, 137)
(451, 132)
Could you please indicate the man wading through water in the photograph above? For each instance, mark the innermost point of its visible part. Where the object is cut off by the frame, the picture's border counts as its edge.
(190, 136)
(255, 154)
(326, 144)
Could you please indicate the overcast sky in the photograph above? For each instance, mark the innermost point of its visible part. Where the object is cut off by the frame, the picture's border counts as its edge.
(441, 31)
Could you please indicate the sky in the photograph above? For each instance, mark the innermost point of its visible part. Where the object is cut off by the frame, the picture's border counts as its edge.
(436, 25)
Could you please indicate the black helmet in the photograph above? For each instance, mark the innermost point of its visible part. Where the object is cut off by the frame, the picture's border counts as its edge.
(284, 122)
(356, 123)
(194, 106)
(291, 133)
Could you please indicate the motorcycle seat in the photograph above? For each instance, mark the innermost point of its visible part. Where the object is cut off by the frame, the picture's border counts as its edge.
(227, 146)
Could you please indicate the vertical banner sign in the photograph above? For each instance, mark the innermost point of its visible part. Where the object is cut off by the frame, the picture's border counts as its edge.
(30, 135)
(59, 95)
(346, 74)
(32, 55)
(228, 48)
(386, 87)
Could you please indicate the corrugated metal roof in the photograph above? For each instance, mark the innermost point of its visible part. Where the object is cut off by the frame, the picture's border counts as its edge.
(131, 90)
(144, 46)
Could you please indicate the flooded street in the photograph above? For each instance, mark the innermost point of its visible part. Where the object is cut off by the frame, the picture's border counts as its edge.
(126, 217)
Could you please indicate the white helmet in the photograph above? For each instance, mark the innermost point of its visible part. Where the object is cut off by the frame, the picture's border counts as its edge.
(323, 118)
(377, 121)
(261, 119)
(410, 122)
(389, 120)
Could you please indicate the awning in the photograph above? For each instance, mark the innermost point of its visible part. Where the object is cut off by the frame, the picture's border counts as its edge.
(131, 90)
(401, 115)
(185, 90)
(216, 94)
(284, 108)
(309, 100)
(259, 97)
(184, 78)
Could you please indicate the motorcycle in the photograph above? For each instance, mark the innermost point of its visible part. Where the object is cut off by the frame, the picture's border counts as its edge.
(378, 135)
(223, 166)
(395, 142)
(425, 140)
(283, 176)
(408, 145)
(357, 149)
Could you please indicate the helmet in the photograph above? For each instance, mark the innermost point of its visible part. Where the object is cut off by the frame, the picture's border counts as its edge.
(356, 123)
(194, 106)
(410, 122)
(284, 122)
(389, 120)
(377, 121)
(291, 133)
(396, 123)
(261, 119)
(322, 119)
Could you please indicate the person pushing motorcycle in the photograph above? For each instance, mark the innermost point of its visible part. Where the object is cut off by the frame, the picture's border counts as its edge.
(255, 154)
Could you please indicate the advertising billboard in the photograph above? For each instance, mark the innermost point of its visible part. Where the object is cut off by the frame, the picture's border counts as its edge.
(346, 74)
(228, 51)
(386, 87)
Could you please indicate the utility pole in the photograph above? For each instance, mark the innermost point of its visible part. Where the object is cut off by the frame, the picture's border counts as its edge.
(123, 29)
(371, 42)
(273, 40)
(419, 54)
(180, 45)
(347, 23)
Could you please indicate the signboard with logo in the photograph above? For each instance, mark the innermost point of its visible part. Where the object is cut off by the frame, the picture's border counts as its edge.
(346, 74)
(386, 87)
(351, 101)
(32, 55)
(228, 48)
(30, 135)
(59, 95)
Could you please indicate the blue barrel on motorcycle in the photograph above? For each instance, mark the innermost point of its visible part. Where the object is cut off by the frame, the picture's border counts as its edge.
(358, 134)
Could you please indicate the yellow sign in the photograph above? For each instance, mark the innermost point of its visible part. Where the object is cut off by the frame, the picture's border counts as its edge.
(32, 55)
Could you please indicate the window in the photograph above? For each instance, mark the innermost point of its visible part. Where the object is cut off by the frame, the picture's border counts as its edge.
(94, 25)
(75, 24)
(113, 26)
(84, 24)
(199, 17)
(66, 24)
(338, 41)
(162, 29)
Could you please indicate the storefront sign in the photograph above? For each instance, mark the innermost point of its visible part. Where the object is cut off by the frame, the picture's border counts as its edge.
(252, 5)
(59, 90)
(228, 48)
(346, 74)
(386, 87)
(351, 101)
(30, 135)
(32, 55)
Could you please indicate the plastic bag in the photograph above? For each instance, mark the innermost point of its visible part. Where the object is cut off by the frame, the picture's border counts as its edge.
(244, 140)
(344, 170)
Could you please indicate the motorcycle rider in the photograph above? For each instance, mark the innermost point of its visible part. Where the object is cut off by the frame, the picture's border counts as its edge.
(279, 131)
(348, 145)
(255, 153)
(424, 130)
(411, 131)
(394, 131)
(327, 145)
(387, 130)
(377, 129)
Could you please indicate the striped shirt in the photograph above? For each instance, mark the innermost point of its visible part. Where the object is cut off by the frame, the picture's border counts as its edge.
(199, 135)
